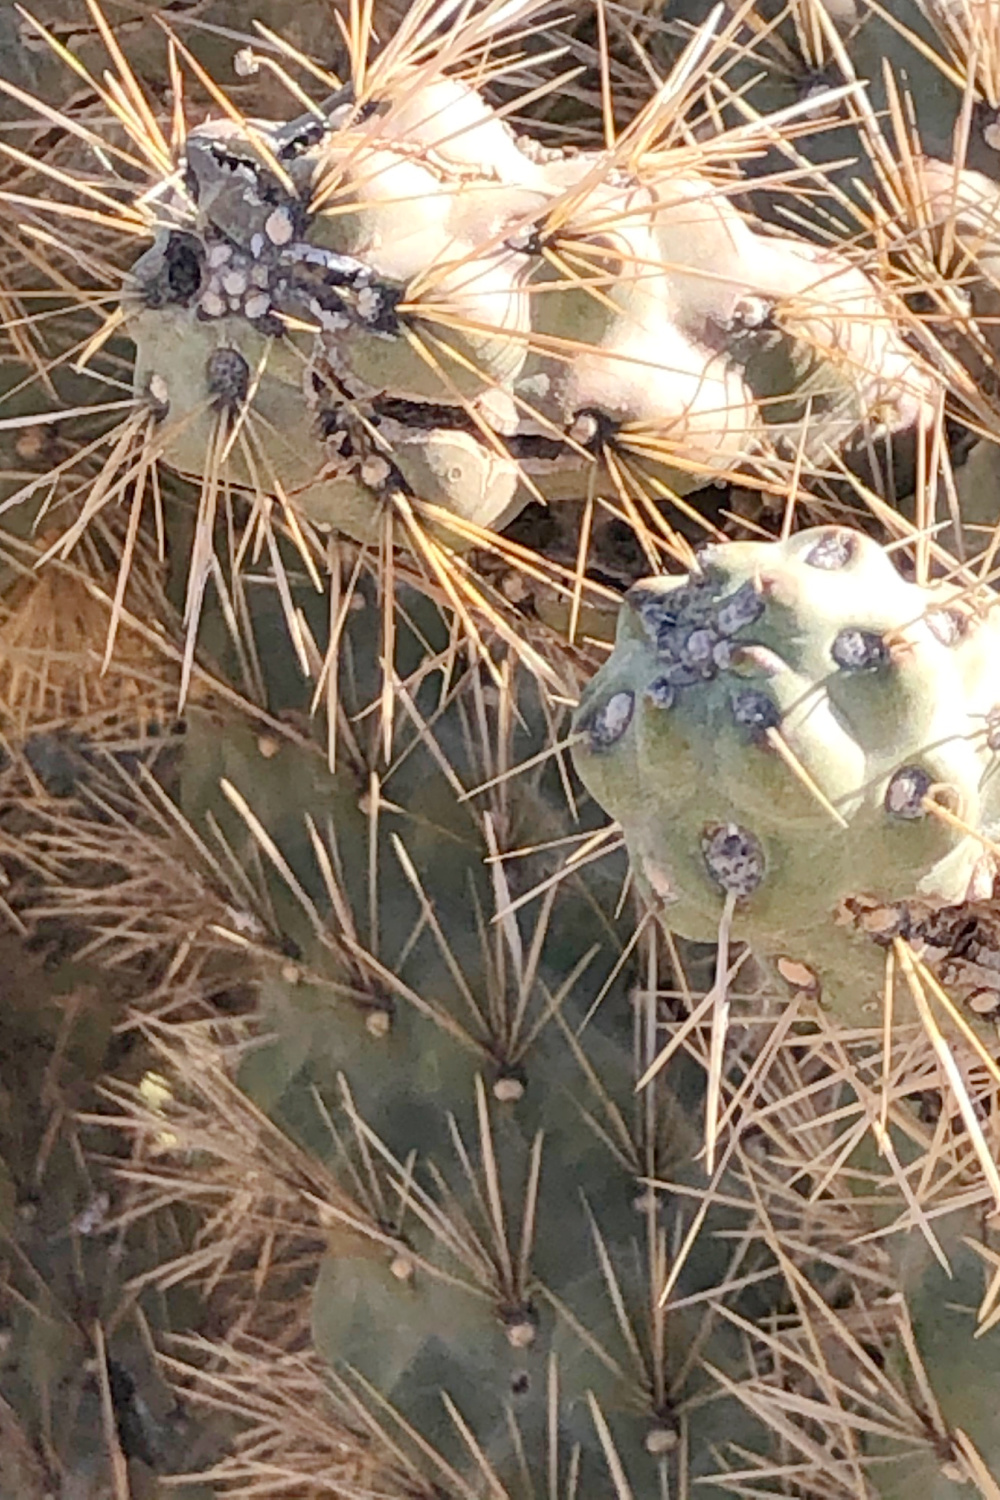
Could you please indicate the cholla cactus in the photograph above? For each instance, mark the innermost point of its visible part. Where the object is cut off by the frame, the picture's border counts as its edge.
(790, 729)
(396, 296)
(393, 319)
(414, 1087)
(424, 1103)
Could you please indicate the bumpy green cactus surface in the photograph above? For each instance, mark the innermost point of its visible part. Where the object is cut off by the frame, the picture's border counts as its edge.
(772, 731)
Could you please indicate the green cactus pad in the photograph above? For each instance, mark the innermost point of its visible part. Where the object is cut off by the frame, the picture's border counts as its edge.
(768, 730)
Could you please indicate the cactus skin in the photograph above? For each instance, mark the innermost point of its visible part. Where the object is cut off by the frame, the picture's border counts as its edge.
(392, 308)
(881, 689)
(960, 1352)
(393, 1062)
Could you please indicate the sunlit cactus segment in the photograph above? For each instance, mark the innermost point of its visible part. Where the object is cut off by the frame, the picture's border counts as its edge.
(794, 725)
(433, 308)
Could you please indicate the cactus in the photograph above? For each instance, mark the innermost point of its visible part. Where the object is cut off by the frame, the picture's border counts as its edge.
(504, 315)
(415, 1102)
(797, 735)
(82, 1399)
(951, 1352)
(880, 1374)
(544, 326)
(83, 1406)
(421, 1071)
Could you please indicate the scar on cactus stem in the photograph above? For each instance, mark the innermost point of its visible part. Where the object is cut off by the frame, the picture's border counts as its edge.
(793, 728)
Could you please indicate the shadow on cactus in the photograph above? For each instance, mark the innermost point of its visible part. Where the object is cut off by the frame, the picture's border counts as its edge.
(435, 1133)
(84, 1404)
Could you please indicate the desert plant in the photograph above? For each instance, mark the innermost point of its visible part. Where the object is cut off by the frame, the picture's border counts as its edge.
(796, 740)
(340, 419)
